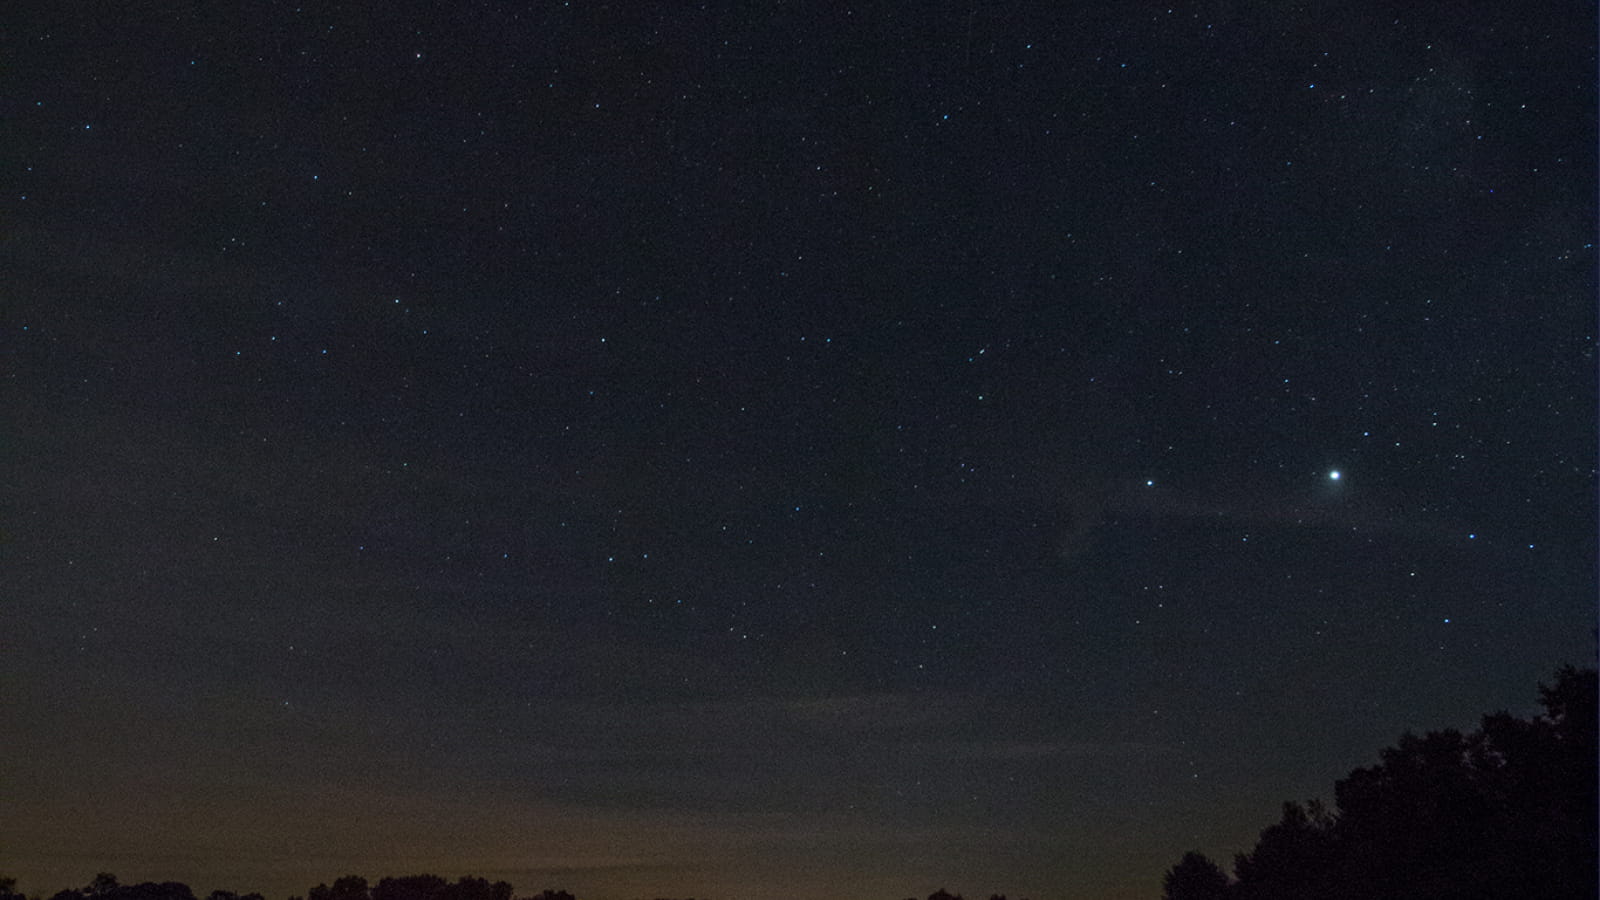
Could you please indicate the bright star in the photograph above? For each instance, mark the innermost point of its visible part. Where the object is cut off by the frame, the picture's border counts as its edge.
(1334, 475)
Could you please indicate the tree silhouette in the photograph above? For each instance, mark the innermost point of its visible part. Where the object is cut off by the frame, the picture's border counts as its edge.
(350, 887)
(467, 888)
(105, 887)
(1295, 858)
(409, 887)
(423, 887)
(1507, 811)
(220, 894)
(1195, 877)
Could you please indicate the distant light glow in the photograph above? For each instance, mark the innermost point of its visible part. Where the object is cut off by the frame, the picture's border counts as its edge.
(1334, 475)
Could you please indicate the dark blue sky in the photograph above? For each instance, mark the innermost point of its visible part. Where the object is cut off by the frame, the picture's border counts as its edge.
(752, 450)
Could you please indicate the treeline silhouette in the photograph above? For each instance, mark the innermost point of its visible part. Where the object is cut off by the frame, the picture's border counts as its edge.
(351, 887)
(1506, 811)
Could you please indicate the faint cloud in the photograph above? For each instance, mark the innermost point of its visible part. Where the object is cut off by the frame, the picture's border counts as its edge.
(879, 713)
(1026, 750)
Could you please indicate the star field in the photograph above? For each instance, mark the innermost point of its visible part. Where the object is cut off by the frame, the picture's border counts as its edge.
(746, 451)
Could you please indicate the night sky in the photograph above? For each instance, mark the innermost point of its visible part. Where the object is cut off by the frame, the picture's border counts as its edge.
(765, 450)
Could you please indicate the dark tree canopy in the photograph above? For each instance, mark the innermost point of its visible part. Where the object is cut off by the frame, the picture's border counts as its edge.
(351, 887)
(1293, 858)
(105, 887)
(1506, 811)
(1195, 877)
(220, 894)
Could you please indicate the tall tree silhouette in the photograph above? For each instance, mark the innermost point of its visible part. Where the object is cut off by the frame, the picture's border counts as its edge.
(1195, 877)
(1297, 857)
(1507, 811)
